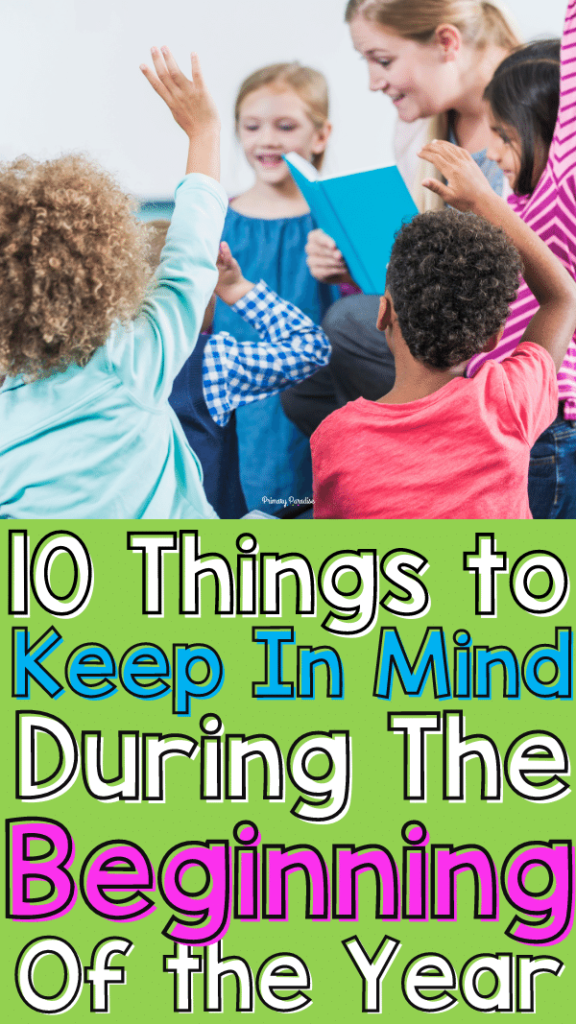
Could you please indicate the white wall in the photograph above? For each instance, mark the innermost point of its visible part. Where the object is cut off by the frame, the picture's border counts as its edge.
(72, 81)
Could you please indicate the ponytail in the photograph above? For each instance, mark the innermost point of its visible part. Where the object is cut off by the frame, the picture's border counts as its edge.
(425, 200)
(499, 27)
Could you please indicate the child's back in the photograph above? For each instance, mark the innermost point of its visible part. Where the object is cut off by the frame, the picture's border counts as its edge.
(87, 431)
(460, 453)
(437, 445)
(101, 441)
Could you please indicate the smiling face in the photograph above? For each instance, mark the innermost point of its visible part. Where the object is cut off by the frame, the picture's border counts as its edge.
(419, 78)
(272, 121)
(506, 150)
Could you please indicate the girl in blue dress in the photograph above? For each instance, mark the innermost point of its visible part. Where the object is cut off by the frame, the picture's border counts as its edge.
(280, 108)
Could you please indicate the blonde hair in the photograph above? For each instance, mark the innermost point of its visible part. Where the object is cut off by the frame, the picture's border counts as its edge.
(72, 263)
(310, 85)
(480, 23)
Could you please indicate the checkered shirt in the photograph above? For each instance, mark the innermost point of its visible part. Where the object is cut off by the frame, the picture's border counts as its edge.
(237, 372)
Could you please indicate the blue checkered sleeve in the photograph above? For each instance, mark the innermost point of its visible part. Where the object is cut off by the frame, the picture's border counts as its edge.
(237, 372)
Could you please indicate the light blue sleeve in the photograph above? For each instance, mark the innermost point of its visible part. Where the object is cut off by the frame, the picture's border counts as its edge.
(149, 353)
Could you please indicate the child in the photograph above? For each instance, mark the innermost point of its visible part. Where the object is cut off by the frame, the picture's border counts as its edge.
(279, 108)
(438, 445)
(86, 428)
(529, 94)
(223, 374)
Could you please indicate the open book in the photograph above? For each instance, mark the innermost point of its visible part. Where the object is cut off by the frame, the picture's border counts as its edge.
(362, 212)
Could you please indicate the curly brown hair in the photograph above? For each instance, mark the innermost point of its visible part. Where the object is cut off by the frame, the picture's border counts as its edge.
(72, 263)
(452, 277)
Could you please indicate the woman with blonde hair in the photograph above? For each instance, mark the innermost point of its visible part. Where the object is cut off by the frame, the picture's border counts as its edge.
(433, 60)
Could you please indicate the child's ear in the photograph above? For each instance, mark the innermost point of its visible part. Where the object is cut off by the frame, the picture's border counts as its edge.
(493, 340)
(384, 313)
(322, 136)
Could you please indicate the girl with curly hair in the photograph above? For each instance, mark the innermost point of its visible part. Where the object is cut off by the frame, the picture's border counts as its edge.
(90, 355)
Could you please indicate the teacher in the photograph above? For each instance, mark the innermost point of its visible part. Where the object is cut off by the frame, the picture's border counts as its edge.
(433, 59)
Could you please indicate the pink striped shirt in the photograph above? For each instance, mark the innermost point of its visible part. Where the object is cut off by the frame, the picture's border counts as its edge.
(551, 213)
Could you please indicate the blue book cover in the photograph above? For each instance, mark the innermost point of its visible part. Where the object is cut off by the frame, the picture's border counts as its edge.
(362, 213)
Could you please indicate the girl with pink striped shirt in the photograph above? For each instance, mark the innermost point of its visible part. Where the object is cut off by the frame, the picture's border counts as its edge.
(531, 91)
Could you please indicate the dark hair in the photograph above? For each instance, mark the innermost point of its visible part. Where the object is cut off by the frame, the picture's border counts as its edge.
(452, 277)
(524, 94)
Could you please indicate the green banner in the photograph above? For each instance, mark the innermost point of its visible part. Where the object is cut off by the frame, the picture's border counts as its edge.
(279, 767)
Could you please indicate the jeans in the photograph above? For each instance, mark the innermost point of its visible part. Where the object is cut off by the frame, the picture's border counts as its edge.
(552, 473)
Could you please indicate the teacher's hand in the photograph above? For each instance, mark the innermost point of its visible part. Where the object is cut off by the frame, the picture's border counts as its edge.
(324, 259)
(465, 188)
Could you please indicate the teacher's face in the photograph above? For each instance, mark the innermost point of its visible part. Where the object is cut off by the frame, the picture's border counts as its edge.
(420, 79)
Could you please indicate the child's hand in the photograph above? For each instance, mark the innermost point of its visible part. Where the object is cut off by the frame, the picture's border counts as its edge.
(189, 101)
(232, 285)
(192, 108)
(466, 188)
(229, 272)
(324, 259)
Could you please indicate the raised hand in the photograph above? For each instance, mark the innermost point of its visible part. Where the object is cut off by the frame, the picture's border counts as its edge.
(191, 106)
(552, 326)
(466, 188)
(232, 285)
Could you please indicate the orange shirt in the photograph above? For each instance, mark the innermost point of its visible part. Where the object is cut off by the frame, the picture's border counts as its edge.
(460, 453)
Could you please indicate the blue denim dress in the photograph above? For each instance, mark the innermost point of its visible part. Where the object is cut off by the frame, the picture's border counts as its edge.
(274, 454)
